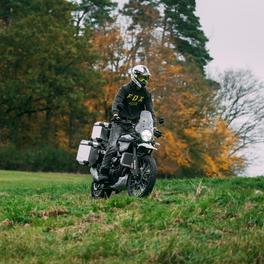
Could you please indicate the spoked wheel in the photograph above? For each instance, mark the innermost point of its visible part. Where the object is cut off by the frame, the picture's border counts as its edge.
(98, 191)
(142, 185)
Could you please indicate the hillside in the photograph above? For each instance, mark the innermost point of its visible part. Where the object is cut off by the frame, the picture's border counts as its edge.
(50, 218)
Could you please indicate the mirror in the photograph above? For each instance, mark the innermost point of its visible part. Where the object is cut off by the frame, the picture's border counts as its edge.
(160, 120)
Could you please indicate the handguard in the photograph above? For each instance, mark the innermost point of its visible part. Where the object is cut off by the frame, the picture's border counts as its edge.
(115, 117)
(157, 133)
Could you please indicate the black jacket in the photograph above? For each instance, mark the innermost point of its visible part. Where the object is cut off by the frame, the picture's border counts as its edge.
(131, 100)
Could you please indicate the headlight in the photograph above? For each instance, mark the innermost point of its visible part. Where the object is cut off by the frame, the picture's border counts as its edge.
(146, 135)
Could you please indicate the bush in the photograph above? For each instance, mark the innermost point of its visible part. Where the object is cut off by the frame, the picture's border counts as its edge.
(46, 158)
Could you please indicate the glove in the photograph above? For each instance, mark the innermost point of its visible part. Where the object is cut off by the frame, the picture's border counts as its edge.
(116, 117)
(157, 133)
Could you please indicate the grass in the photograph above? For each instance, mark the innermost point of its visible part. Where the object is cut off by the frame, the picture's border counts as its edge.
(50, 218)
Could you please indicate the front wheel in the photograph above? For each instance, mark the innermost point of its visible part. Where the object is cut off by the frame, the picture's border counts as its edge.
(99, 191)
(142, 185)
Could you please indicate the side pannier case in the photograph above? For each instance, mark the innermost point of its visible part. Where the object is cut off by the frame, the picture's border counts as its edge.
(87, 154)
(101, 131)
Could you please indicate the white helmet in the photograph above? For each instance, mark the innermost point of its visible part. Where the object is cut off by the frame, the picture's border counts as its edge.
(140, 75)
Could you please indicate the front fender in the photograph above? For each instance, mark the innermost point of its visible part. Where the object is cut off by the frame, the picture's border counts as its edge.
(146, 145)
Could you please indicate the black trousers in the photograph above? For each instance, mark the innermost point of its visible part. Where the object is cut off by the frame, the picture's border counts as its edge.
(111, 150)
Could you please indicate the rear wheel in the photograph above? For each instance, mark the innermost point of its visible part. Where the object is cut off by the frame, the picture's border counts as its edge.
(98, 190)
(142, 185)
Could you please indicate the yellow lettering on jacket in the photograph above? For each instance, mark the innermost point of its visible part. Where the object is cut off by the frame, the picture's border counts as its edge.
(135, 98)
(141, 99)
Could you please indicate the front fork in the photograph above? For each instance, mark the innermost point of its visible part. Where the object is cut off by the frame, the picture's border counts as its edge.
(135, 169)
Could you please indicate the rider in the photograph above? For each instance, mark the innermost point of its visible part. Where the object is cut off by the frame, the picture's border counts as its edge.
(130, 100)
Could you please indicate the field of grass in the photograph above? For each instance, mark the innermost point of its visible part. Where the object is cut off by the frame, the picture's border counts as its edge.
(50, 218)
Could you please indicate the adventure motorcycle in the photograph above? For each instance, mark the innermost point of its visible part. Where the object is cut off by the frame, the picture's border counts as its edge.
(133, 167)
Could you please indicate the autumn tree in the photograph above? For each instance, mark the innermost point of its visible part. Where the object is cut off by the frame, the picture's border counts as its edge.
(173, 42)
(196, 140)
(112, 65)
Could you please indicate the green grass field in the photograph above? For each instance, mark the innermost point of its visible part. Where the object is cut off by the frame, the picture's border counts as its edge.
(50, 218)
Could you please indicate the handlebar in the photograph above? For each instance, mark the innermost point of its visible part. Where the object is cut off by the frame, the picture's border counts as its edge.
(156, 132)
(124, 122)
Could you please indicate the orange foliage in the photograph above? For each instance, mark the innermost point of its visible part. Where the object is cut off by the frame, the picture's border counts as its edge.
(218, 160)
(192, 138)
(109, 45)
(62, 139)
(173, 153)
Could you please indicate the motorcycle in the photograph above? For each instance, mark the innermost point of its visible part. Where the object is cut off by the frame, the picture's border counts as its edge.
(133, 167)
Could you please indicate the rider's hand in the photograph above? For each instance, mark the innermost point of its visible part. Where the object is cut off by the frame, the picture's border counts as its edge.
(116, 117)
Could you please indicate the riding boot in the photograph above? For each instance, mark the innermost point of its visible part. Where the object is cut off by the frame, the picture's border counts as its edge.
(103, 175)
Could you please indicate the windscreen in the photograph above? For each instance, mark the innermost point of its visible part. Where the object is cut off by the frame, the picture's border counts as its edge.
(145, 122)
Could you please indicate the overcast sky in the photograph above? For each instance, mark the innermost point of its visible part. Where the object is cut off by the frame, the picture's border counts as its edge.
(236, 40)
(235, 32)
